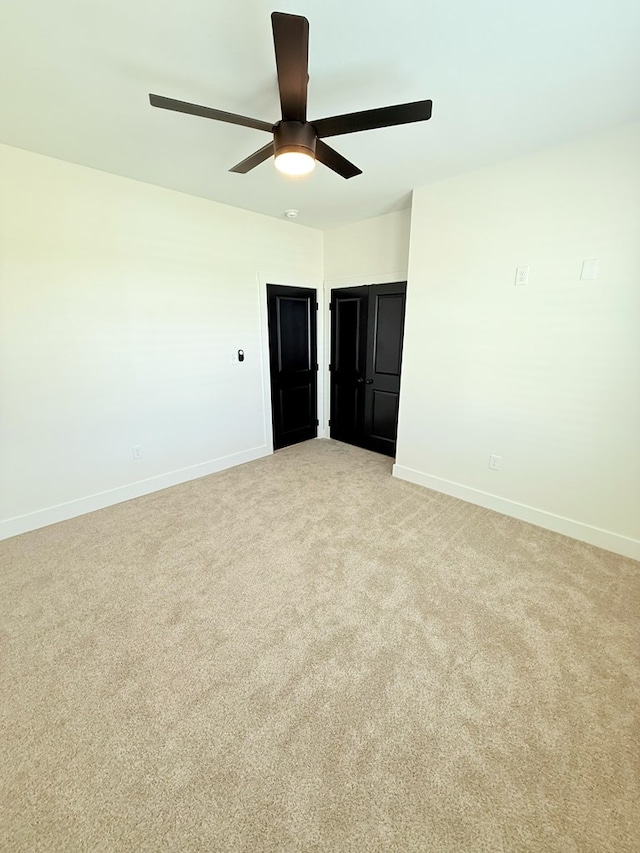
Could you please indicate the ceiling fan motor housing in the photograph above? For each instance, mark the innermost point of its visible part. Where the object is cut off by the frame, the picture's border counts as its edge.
(295, 136)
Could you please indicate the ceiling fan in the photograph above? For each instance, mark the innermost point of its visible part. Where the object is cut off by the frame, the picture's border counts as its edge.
(297, 143)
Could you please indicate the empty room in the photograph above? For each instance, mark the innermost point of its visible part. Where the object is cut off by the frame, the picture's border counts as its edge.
(320, 426)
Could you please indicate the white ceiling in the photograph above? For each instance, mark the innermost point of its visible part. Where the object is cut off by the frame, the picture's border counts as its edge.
(506, 77)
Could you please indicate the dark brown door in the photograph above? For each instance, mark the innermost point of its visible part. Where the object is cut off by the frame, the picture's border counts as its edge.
(349, 317)
(292, 354)
(385, 330)
(367, 326)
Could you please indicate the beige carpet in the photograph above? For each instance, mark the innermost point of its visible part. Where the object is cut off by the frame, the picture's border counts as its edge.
(304, 654)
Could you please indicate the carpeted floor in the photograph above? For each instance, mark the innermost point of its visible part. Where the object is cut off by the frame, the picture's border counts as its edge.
(304, 654)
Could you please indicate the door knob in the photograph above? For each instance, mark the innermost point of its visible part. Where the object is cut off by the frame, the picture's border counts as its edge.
(369, 381)
(360, 380)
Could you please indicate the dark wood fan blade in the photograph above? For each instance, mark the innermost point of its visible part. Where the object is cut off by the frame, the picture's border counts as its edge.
(329, 157)
(254, 160)
(291, 42)
(208, 112)
(370, 119)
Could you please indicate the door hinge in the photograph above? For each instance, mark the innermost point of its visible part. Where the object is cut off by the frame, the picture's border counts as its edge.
(329, 422)
(330, 308)
(317, 423)
(329, 368)
(317, 367)
(317, 306)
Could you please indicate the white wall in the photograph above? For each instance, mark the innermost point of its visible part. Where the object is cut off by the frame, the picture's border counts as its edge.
(548, 375)
(120, 306)
(372, 251)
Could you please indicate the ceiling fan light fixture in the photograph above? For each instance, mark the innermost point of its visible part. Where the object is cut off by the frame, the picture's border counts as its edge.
(295, 163)
(294, 145)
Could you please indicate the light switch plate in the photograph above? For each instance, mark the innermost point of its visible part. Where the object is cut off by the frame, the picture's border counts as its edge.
(589, 269)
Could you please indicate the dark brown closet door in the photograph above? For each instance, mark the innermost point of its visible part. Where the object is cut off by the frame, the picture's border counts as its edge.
(367, 327)
(292, 353)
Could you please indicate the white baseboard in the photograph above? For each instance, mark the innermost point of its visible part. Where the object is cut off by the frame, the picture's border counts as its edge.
(575, 529)
(91, 503)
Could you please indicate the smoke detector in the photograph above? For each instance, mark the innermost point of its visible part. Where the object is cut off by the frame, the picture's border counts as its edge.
(291, 214)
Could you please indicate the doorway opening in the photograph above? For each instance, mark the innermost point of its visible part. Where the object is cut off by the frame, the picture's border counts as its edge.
(291, 313)
(367, 329)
